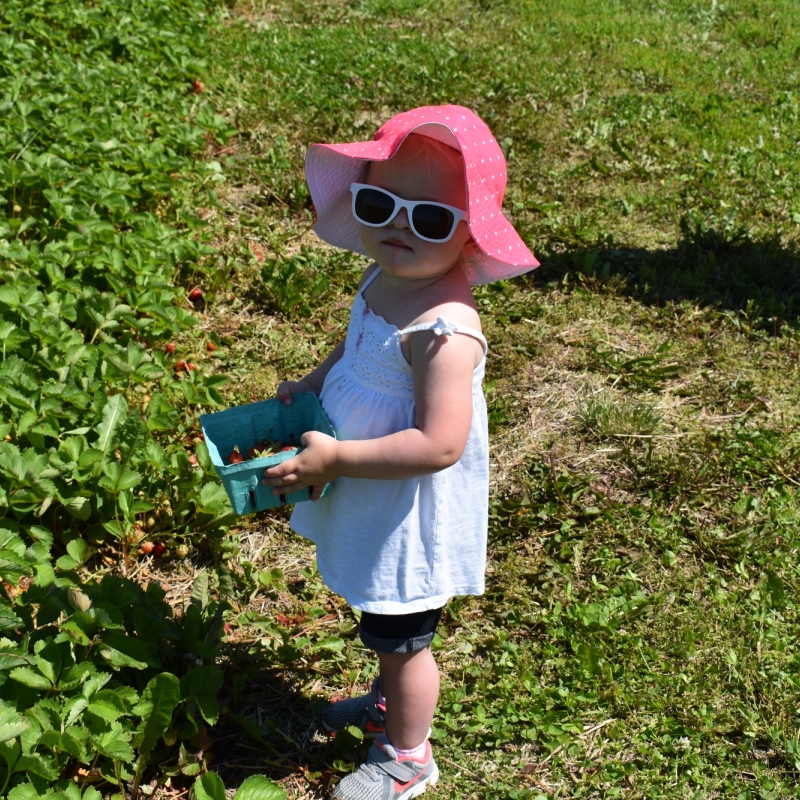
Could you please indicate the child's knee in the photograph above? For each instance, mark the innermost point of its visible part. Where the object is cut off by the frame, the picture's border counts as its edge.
(399, 634)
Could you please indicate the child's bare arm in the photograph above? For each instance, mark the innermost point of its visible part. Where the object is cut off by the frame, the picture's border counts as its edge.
(442, 368)
(313, 381)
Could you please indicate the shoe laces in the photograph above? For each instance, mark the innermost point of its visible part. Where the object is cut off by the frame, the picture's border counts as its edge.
(372, 771)
(374, 768)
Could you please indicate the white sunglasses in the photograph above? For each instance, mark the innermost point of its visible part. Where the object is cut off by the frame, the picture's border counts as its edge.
(430, 221)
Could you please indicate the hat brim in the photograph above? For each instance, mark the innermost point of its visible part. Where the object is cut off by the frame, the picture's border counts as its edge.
(331, 168)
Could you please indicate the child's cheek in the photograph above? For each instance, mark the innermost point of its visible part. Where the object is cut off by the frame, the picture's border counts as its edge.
(368, 239)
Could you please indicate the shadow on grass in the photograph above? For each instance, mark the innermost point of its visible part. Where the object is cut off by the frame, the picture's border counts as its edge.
(758, 279)
(270, 727)
(265, 728)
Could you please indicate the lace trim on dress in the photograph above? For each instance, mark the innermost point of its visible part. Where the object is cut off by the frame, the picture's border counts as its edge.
(373, 355)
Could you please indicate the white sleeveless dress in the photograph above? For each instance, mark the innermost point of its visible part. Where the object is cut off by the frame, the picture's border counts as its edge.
(397, 546)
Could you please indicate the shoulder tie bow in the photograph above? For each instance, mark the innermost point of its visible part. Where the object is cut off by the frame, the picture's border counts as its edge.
(443, 328)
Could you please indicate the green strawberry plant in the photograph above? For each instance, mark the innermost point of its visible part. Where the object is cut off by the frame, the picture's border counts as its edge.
(256, 787)
(103, 129)
(96, 678)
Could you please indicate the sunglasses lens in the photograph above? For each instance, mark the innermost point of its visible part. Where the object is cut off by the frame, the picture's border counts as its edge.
(433, 222)
(373, 207)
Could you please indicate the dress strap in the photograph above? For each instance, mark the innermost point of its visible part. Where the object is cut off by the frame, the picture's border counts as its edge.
(446, 327)
(369, 280)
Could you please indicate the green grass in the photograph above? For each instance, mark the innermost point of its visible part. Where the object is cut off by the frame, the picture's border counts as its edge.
(638, 635)
(662, 138)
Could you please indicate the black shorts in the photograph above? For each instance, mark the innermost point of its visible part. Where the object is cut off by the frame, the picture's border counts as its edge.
(399, 633)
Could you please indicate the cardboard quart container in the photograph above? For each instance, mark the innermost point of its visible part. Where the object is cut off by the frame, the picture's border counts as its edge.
(248, 425)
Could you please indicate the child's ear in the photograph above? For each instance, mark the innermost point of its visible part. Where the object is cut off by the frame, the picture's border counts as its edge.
(470, 252)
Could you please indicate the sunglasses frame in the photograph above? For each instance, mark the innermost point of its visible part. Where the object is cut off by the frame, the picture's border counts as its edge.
(409, 205)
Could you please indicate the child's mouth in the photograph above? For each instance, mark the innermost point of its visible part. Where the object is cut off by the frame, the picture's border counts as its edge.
(396, 243)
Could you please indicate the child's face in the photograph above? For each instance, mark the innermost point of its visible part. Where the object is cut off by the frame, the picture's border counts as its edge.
(416, 173)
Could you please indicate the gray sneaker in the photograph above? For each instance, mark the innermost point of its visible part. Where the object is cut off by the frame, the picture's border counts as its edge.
(385, 776)
(364, 712)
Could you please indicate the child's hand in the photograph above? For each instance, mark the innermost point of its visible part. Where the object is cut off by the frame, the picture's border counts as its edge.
(314, 466)
(288, 388)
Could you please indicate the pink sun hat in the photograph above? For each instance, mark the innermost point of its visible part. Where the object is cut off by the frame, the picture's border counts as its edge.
(331, 168)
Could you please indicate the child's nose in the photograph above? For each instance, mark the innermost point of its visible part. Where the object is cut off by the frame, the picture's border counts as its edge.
(401, 220)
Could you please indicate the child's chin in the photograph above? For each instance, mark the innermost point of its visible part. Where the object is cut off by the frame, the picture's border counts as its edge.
(397, 259)
(414, 271)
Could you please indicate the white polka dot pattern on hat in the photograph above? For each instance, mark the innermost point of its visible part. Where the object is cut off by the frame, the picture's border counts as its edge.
(330, 169)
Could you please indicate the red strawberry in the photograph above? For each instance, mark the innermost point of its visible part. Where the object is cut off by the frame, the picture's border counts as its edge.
(179, 366)
(287, 448)
(170, 348)
(196, 294)
(235, 457)
(146, 548)
(158, 550)
(212, 347)
(198, 87)
(256, 451)
(191, 366)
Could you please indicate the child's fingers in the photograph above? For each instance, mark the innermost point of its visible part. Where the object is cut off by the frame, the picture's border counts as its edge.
(280, 480)
(280, 471)
(284, 393)
(292, 487)
(283, 477)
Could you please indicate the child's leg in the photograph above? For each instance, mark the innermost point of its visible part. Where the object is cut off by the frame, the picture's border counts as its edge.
(409, 677)
(410, 684)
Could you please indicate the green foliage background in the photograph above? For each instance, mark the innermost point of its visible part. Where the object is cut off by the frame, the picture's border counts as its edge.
(98, 179)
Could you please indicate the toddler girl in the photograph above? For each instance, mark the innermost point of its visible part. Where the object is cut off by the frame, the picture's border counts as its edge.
(404, 526)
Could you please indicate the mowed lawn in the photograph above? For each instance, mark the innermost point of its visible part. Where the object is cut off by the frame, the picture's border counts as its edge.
(638, 637)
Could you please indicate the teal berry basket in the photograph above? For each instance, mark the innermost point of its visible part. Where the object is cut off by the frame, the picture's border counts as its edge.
(245, 426)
